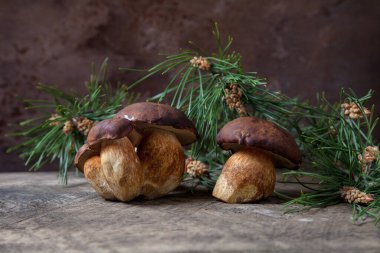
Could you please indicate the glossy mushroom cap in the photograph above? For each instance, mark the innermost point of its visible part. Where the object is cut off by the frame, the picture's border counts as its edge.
(250, 132)
(109, 129)
(148, 115)
(83, 154)
(112, 129)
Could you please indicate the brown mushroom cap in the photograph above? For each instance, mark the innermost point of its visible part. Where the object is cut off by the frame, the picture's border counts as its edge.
(112, 129)
(82, 155)
(262, 134)
(147, 115)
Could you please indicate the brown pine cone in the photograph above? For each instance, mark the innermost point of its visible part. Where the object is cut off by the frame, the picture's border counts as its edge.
(354, 195)
(84, 125)
(200, 62)
(353, 111)
(195, 168)
(68, 127)
(232, 97)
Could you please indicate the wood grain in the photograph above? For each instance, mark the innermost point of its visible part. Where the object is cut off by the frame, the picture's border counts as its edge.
(39, 215)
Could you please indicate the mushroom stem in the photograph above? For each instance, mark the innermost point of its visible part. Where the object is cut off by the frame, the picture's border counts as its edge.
(95, 176)
(248, 175)
(163, 161)
(122, 168)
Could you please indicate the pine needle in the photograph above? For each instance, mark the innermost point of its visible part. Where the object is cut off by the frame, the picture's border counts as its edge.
(43, 138)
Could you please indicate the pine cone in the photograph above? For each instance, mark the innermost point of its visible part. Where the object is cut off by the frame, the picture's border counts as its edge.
(53, 120)
(354, 195)
(84, 125)
(232, 97)
(68, 127)
(196, 169)
(371, 153)
(200, 62)
(353, 111)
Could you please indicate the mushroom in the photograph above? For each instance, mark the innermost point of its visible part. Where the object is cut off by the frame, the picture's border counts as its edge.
(260, 146)
(165, 130)
(88, 161)
(109, 160)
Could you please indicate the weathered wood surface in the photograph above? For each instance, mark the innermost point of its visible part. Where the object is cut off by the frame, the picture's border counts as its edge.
(39, 215)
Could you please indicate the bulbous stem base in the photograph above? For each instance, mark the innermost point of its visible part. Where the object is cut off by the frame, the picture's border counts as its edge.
(94, 174)
(122, 168)
(163, 161)
(247, 176)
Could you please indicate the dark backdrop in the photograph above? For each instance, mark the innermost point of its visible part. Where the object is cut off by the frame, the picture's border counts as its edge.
(300, 46)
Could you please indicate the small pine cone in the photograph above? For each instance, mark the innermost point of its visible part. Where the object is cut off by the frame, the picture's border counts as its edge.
(84, 125)
(195, 168)
(53, 121)
(241, 110)
(354, 195)
(68, 127)
(232, 97)
(353, 111)
(200, 62)
(371, 153)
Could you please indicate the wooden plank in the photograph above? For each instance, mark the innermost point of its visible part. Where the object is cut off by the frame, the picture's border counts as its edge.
(39, 215)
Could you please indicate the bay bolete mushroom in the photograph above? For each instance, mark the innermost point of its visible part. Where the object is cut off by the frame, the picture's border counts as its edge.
(109, 160)
(165, 130)
(260, 146)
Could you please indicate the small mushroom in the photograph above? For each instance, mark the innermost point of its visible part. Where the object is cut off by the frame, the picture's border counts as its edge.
(109, 160)
(88, 161)
(260, 146)
(165, 130)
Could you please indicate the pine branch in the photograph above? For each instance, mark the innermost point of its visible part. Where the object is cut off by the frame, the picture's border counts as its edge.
(61, 130)
(214, 89)
(336, 142)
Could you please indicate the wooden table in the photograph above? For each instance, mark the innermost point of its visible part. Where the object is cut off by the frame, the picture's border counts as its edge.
(39, 215)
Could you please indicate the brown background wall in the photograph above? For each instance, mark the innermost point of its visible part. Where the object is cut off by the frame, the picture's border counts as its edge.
(300, 46)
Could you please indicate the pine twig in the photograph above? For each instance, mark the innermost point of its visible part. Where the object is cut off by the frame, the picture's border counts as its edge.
(61, 130)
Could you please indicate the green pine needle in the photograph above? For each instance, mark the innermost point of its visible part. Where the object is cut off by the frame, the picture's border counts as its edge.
(43, 138)
(200, 95)
(333, 157)
(332, 143)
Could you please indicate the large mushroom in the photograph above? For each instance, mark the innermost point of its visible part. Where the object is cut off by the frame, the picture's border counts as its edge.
(109, 160)
(260, 146)
(165, 130)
